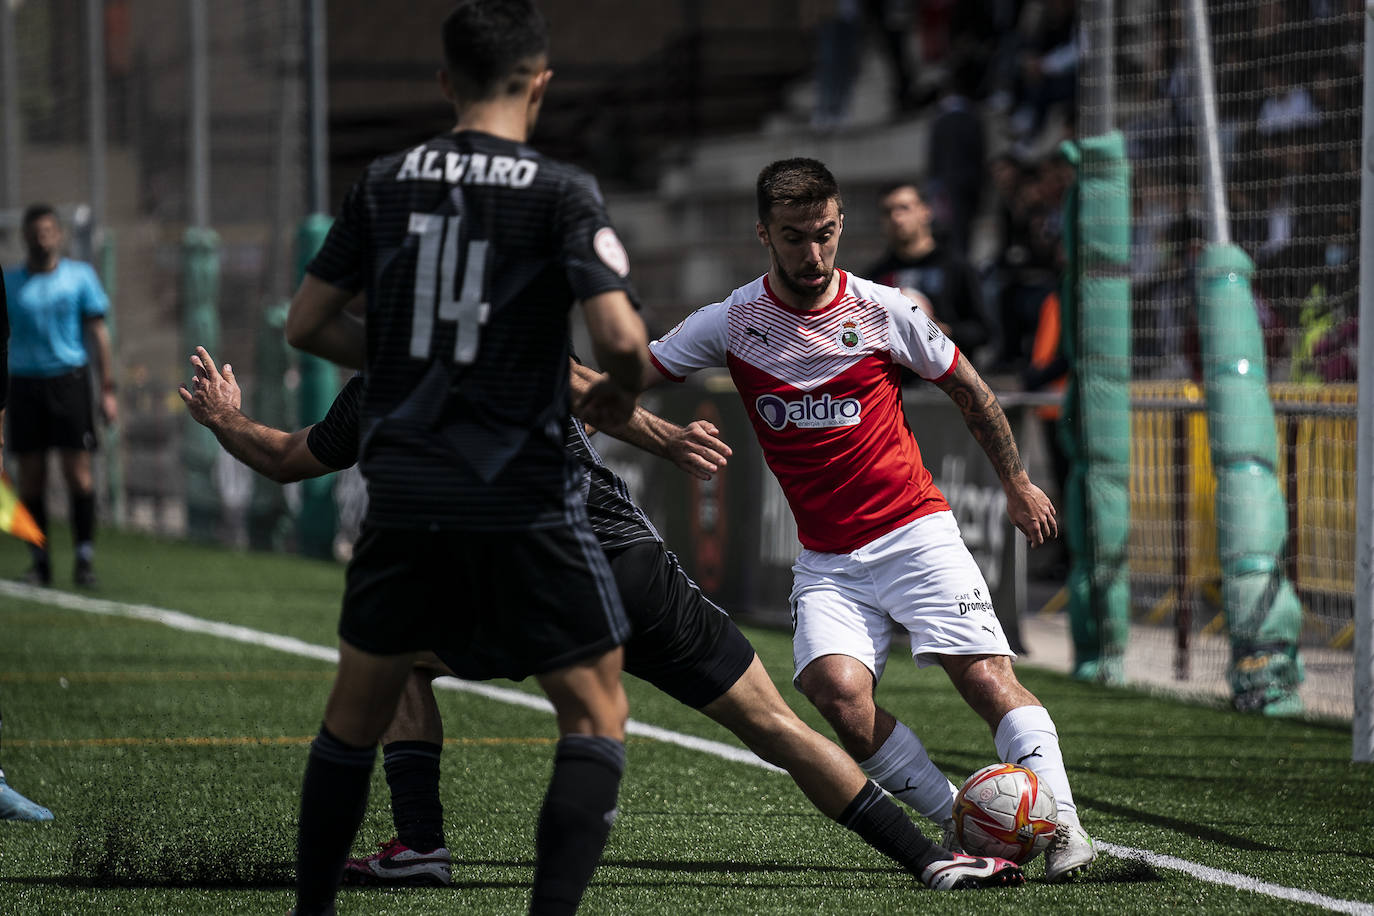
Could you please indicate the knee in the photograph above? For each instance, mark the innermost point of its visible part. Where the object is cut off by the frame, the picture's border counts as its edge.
(840, 699)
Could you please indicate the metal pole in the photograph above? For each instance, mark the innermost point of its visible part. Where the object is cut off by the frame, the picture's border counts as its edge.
(1097, 71)
(9, 109)
(95, 115)
(199, 164)
(1362, 728)
(317, 105)
(1209, 142)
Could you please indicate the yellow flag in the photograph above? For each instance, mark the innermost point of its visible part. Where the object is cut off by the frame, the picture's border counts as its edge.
(15, 519)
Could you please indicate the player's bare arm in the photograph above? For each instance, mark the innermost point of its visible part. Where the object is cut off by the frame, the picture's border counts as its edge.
(1027, 505)
(100, 334)
(214, 401)
(622, 349)
(317, 323)
(695, 448)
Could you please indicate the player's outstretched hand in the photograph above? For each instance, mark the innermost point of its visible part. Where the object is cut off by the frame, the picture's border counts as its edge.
(605, 405)
(698, 449)
(1031, 511)
(214, 392)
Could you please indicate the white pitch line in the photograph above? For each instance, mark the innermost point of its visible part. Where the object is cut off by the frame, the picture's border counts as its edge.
(1242, 882)
(185, 622)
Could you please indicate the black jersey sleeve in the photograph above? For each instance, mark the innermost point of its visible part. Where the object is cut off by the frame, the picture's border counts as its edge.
(341, 259)
(334, 440)
(592, 255)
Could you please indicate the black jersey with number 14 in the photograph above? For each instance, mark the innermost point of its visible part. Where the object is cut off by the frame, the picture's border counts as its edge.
(471, 250)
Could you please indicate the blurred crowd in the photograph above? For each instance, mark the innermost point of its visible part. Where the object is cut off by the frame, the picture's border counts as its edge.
(998, 79)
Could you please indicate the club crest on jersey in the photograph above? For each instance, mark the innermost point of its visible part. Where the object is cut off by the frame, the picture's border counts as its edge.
(808, 412)
(850, 337)
(610, 251)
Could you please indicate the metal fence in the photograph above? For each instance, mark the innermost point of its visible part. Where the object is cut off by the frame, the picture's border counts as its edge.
(1288, 77)
(104, 114)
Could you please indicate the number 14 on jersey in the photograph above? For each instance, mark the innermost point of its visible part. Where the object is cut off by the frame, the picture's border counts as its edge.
(435, 268)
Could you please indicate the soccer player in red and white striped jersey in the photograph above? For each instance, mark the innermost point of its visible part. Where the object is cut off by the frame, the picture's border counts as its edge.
(817, 356)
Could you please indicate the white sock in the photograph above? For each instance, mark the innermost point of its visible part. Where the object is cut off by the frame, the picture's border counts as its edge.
(1026, 736)
(903, 768)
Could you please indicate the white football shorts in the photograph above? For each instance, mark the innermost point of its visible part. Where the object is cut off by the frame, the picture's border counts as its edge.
(920, 579)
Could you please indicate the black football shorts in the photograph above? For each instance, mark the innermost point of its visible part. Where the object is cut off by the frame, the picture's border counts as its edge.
(503, 603)
(56, 412)
(680, 641)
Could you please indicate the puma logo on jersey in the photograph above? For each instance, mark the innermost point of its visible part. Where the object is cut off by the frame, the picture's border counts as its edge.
(808, 412)
(755, 332)
(425, 164)
(1034, 753)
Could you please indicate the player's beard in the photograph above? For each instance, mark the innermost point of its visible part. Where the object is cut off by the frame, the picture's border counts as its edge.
(794, 284)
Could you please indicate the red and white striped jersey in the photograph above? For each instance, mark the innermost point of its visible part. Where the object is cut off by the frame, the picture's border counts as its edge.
(823, 390)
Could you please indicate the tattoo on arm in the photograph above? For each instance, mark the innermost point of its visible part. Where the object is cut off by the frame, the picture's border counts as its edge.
(984, 417)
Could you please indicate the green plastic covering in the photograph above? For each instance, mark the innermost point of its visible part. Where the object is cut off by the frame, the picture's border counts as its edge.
(1262, 609)
(319, 384)
(1096, 423)
(200, 327)
(269, 519)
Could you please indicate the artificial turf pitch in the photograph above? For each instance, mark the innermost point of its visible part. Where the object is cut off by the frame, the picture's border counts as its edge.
(172, 761)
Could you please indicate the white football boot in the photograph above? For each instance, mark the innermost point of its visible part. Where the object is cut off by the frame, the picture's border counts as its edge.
(1070, 852)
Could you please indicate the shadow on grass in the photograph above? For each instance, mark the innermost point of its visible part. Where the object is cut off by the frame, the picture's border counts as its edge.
(74, 882)
(200, 854)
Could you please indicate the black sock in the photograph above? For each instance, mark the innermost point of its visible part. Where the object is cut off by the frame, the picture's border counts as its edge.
(83, 518)
(876, 818)
(333, 799)
(412, 774)
(39, 510)
(575, 820)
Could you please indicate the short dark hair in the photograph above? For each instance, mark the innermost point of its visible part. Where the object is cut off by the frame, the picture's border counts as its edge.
(796, 183)
(889, 187)
(34, 212)
(488, 45)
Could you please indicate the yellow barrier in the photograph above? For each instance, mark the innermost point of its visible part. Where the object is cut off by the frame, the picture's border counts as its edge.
(1173, 489)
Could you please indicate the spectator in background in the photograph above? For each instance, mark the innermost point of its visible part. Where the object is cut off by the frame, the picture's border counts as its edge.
(916, 260)
(892, 19)
(839, 45)
(1027, 267)
(1048, 370)
(1287, 106)
(837, 65)
(958, 149)
(55, 303)
(1049, 66)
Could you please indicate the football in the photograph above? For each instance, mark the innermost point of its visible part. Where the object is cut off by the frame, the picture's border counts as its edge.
(1004, 810)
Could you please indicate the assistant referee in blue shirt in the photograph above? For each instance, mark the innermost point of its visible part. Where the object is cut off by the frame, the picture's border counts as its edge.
(55, 306)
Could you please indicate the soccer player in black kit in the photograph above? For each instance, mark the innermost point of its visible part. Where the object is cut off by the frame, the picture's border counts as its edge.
(680, 642)
(471, 249)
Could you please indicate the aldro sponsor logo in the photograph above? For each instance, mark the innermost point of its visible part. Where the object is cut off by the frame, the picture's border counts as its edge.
(808, 412)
